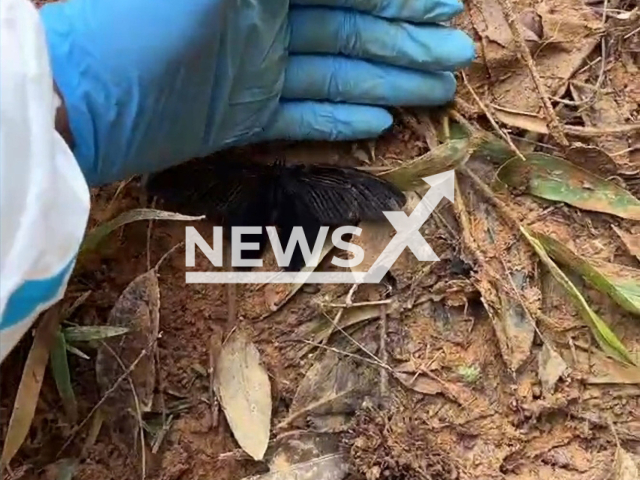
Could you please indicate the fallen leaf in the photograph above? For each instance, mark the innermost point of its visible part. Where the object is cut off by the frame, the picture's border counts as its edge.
(420, 383)
(524, 120)
(334, 385)
(321, 327)
(551, 366)
(445, 157)
(92, 333)
(505, 275)
(607, 340)
(594, 367)
(24, 406)
(306, 456)
(619, 282)
(632, 242)
(95, 236)
(137, 310)
(62, 377)
(553, 178)
(624, 468)
(242, 386)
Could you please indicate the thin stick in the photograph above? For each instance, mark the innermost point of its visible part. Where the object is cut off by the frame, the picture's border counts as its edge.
(149, 229)
(554, 124)
(489, 116)
(164, 257)
(375, 362)
(358, 304)
(108, 392)
(215, 407)
(136, 401)
(384, 357)
(335, 321)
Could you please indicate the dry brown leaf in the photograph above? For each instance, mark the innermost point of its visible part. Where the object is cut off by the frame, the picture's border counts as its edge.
(420, 383)
(334, 385)
(524, 120)
(596, 368)
(26, 400)
(305, 455)
(632, 242)
(551, 366)
(506, 274)
(242, 386)
(624, 468)
(137, 309)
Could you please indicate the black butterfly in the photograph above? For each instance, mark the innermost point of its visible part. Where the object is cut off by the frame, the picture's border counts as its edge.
(236, 192)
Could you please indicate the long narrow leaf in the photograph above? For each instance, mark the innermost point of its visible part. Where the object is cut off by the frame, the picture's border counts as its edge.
(26, 400)
(92, 333)
(95, 236)
(60, 370)
(619, 282)
(607, 340)
(556, 179)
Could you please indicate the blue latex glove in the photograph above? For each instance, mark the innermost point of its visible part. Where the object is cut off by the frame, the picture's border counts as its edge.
(151, 83)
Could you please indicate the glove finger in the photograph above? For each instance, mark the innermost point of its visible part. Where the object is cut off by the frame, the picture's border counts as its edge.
(345, 32)
(340, 79)
(420, 11)
(308, 120)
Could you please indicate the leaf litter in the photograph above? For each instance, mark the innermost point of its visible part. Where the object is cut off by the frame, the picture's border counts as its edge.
(244, 391)
(497, 401)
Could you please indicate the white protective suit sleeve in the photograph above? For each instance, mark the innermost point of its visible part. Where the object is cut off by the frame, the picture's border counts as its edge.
(44, 199)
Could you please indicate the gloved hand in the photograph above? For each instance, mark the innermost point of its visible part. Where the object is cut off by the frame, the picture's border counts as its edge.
(151, 83)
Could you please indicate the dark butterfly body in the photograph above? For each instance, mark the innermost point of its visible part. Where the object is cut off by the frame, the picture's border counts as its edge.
(243, 193)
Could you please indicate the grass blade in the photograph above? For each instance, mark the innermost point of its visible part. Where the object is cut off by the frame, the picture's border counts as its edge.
(619, 282)
(24, 406)
(556, 179)
(447, 156)
(62, 377)
(95, 236)
(607, 340)
(92, 333)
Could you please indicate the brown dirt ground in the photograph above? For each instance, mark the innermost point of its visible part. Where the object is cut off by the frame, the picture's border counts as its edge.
(469, 415)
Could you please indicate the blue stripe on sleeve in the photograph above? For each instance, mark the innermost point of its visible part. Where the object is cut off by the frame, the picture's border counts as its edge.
(32, 294)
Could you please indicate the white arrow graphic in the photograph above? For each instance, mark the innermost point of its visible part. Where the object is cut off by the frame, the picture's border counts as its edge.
(408, 228)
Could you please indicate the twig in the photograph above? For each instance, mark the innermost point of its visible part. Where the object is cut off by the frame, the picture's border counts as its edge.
(163, 258)
(107, 393)
(338, 316)
(149, 229)
(215, 407)
(358, 304)
(351, 339)
(232, 297)
(489, 116)
(384, 357)
(554, 124)
(375, 360)
(593, 131)
(136, 401)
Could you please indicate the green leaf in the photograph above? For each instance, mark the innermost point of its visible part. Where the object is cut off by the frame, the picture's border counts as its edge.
(95, 236)
(91, 333)
(447, 156)
(60, 370)
(553, 178)
(607, 340)
(619, 282)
